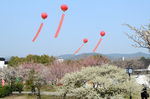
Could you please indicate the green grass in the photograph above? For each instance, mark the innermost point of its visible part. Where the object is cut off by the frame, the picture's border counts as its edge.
(34, 97)
(44, 88)
(49, 97)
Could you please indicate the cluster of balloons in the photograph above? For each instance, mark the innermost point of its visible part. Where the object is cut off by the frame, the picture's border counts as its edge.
(64, 8)
(44, 15)
(86, 40)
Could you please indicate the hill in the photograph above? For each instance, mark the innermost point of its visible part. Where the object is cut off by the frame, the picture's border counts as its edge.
(111, 56)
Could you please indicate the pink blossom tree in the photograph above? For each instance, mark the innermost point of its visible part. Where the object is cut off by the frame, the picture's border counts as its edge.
(34, 75)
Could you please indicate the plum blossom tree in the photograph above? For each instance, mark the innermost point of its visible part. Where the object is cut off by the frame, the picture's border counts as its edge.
(59, 69)
(9, 75)
(96, 60)
(34, 75)
(98, 83)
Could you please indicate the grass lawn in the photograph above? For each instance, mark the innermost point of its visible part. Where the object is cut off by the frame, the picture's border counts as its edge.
(48, 97)
(33, 97)
(45, 88)
(19, 97)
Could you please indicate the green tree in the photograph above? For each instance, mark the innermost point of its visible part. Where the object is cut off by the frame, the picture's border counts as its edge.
(33, 58)
(15, 61)
(51, 59)
(146, 61)
(45, 59)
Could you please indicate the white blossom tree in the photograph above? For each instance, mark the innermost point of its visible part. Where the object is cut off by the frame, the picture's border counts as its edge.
(99, 83)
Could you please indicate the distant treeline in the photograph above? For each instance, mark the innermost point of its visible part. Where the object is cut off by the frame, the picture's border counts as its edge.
(141, 63)
(89, 60)
(50, 60)
(43, 59)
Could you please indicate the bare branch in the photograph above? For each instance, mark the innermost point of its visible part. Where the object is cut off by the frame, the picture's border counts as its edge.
(141, 36)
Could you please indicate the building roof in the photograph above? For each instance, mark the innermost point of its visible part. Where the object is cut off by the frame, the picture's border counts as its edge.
(2, 59)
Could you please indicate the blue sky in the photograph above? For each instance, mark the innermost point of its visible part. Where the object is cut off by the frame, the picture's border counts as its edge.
(20, 19)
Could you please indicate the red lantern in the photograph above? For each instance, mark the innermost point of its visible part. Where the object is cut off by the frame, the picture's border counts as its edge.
(85, 40)
(100, 40)
(44, 15)
(102, 33)
(64, 7)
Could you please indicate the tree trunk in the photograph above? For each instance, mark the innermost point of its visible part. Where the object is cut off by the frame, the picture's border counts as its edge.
(19, 91)
(64, 96)
(38, 94)
(11, 83)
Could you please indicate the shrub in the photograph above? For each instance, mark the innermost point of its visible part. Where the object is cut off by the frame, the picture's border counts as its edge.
(17, 87)
(5, 91)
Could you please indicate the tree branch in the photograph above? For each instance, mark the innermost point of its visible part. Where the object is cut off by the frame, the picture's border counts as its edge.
(141, 36)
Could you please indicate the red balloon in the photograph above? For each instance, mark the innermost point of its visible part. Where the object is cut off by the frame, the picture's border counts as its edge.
(64, 7)
(85, 40)
(44, 15)
(102, 33)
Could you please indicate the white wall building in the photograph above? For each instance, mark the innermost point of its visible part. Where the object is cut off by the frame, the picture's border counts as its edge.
(2, 63)
(60, 60)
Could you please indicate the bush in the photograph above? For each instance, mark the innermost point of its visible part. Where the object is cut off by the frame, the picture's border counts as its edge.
(17, 87)
(5, 91)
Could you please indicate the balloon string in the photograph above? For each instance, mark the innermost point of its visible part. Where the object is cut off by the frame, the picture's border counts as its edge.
(78, 49)
(39, 30)
(94, 50)
(60, 25)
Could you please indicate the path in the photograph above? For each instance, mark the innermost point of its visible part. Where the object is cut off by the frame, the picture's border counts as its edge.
(42, 93)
